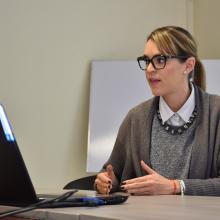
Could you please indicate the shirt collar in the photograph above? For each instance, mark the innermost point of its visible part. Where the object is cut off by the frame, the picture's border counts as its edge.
(184, 112)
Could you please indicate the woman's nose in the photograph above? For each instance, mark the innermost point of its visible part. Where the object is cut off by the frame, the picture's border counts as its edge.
(150, 68)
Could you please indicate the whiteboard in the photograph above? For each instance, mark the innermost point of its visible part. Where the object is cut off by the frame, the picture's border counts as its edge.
(116, 87)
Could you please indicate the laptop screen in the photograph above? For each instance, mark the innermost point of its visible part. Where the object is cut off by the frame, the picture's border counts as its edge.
(15, 184)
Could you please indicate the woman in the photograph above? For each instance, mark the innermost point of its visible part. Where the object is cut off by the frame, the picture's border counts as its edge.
(169, 144)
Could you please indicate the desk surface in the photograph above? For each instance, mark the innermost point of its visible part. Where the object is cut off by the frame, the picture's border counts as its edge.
(140, 207)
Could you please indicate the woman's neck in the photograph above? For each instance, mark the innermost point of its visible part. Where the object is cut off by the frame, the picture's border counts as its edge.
(176, 100)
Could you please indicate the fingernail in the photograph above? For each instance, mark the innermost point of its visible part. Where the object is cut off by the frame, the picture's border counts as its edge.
(123, 183)
(123, 189)
(109, 182)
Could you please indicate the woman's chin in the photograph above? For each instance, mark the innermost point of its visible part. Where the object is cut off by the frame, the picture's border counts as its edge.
(156, 92)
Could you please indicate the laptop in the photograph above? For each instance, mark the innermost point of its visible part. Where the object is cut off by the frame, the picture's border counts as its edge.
(16, 188)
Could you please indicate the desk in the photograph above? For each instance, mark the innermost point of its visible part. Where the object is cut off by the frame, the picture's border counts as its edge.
(140, 207)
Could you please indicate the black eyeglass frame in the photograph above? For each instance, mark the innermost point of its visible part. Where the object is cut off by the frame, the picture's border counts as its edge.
(166, 57)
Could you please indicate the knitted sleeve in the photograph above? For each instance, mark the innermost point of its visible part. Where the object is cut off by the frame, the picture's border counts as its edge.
(119, 153)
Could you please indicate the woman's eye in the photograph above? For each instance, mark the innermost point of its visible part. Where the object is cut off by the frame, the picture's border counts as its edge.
(160, 60)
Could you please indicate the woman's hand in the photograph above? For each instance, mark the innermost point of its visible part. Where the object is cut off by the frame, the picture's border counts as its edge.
(104, 180)
(151, 184)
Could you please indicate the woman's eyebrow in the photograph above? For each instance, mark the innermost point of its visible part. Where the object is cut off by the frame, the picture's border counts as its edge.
(153, 55)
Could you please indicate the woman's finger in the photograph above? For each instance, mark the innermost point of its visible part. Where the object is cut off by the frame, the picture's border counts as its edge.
(110, 172)
(104, 177)
(146, 168)
(102, 187)
(138, 179)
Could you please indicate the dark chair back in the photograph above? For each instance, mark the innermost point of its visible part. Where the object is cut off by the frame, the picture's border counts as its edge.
(84, 183)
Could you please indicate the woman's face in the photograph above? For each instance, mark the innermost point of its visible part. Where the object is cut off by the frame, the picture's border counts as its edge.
(170, 80)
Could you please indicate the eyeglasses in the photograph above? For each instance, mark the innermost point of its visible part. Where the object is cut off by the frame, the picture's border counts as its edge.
(158, 61)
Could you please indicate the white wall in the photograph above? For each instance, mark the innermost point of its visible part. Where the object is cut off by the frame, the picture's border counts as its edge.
(46, 47)
(206, 28)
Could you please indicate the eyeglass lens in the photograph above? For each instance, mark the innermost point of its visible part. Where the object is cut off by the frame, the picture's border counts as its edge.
(158, 62)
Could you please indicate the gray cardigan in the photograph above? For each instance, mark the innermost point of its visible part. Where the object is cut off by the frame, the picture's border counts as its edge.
(134, 140)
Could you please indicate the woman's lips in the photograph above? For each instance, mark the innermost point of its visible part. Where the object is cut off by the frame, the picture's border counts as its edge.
(154, 82)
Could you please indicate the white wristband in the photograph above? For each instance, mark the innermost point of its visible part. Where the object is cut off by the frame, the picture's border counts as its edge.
(182, 187)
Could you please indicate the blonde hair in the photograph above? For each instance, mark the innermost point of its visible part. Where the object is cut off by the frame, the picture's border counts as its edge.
(173, 40)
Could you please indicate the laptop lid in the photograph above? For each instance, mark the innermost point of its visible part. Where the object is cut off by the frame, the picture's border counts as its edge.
(16, 188)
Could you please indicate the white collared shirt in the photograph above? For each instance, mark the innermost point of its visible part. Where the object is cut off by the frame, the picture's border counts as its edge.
(182, 115)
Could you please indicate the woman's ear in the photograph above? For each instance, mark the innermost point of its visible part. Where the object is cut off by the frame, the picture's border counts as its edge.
(190, 64)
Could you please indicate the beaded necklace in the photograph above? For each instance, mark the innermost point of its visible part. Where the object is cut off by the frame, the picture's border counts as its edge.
(177, 129)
